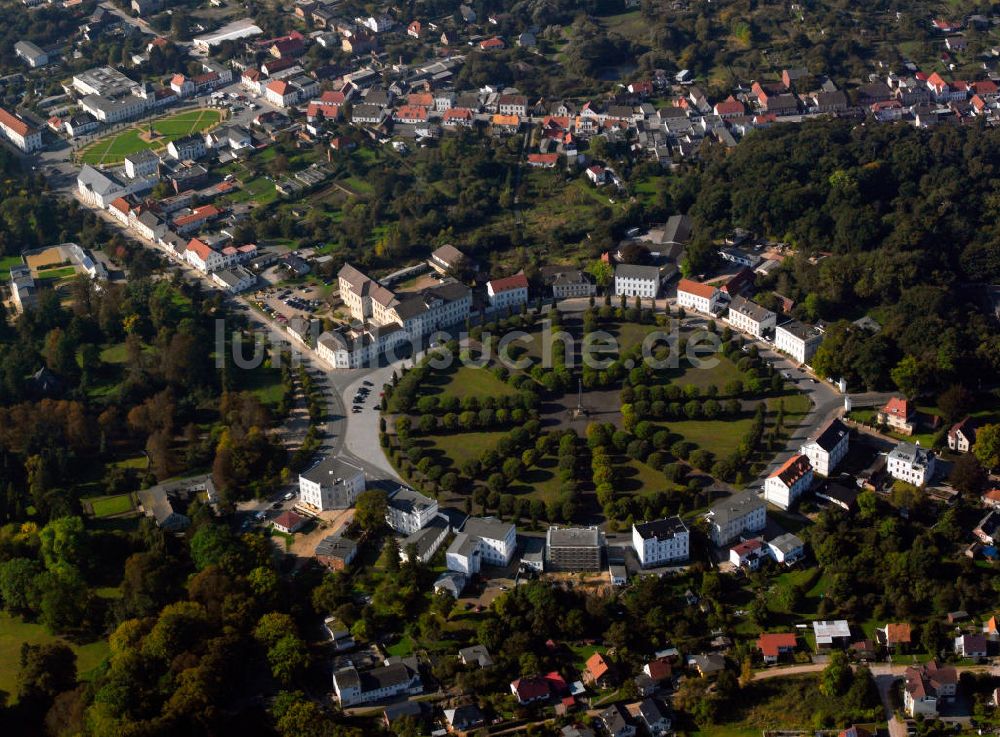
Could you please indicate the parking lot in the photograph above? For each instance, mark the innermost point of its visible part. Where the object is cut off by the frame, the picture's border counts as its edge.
(363, 398)
(285, 303)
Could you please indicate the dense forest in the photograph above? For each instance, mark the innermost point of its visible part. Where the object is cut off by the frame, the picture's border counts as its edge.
(887, 221)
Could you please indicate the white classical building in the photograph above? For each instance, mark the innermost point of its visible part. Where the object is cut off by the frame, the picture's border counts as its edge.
(25, 137)
(203, 257)
(508, 293)
(418, 313)
(692, 295)
(634, 280)
(482, 541)
(910, 463)
(661, 541)
(742, 513)
(798, 340)
(788, 482)
(750, 317)
(828, 448)
(331, 484)
(142, 164)
(352, 686)
(409, 511)
(350, 348)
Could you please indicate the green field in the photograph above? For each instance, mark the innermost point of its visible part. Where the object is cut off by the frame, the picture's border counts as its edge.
(114, 149)
(14, 632)
(108, 506)
(62, 272)
(466, 382)
(6, 263)
(462, 446)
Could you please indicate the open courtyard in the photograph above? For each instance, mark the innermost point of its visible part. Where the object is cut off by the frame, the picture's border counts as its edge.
(153, 135)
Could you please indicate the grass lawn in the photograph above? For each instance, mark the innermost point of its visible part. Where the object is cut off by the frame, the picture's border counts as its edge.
(462, 446)
(114, 353)
(6, 263)
(14, 632)
(720, 437)
(466, 382)
(258, 189)
(107, 506)
(403, 648)
(63, 272)
(541, 481)
(114, 149)
(264, 383)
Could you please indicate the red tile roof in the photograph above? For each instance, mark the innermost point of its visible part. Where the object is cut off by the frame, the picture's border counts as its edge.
(547, 159)
(729, 106)
(458, 113)
(985, 87)
(659, 669)
(411, 112)
(14, 123)
(747, 546)
(529, 689)
(793, 470)
(288, 519)
(772, 643)
(696, 288)
(897, 634)
(121, 204)
(897, 407)
(278, 86)
(518, 281)
(597, 666)
(199, 247)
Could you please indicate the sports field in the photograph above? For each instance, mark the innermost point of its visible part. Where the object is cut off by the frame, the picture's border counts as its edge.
(114, 149)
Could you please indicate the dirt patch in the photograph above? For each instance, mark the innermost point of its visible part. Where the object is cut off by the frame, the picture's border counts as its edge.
(304, 543)
(48, 257)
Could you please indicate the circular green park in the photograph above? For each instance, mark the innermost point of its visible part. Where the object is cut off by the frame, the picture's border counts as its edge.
(555, 440)
(153, 135)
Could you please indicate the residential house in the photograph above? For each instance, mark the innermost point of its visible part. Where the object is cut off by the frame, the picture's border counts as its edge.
(530, 690)
(448, 260)
(988, 529)
(475, 655)
(203, 257)
(336, 552)
(331, 483)
(655, 717)
(573, 548)
(157, 503)
(895, 637)
(635, 280)
(352, 687)
(789, 481)
(147, 224)
(424, 543)
(508, 293)
(451, 583)
(831, 633)
(661, 541)
(599, 671)
(708, 665)
(408, 511)
(991, 498)
(828, 448)
(787, 548)
(798, 340)
(23, 290)
(467, 718)
(729, 108)
(926, 686)
(338, 633)
(749, 554)
(512, 105)
(962, 436)
(289, 522)
(235, 279)
(120, 209)
(466, 553)
(741, 513)
(897, 416)
(188, 148)
(910, 463)
(750, 317)
(615, 722)
(142, 164)
(567, 283)
(775, 644)
(692, 295)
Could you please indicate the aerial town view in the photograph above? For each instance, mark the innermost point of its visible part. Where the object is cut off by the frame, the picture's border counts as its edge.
(570, 368)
